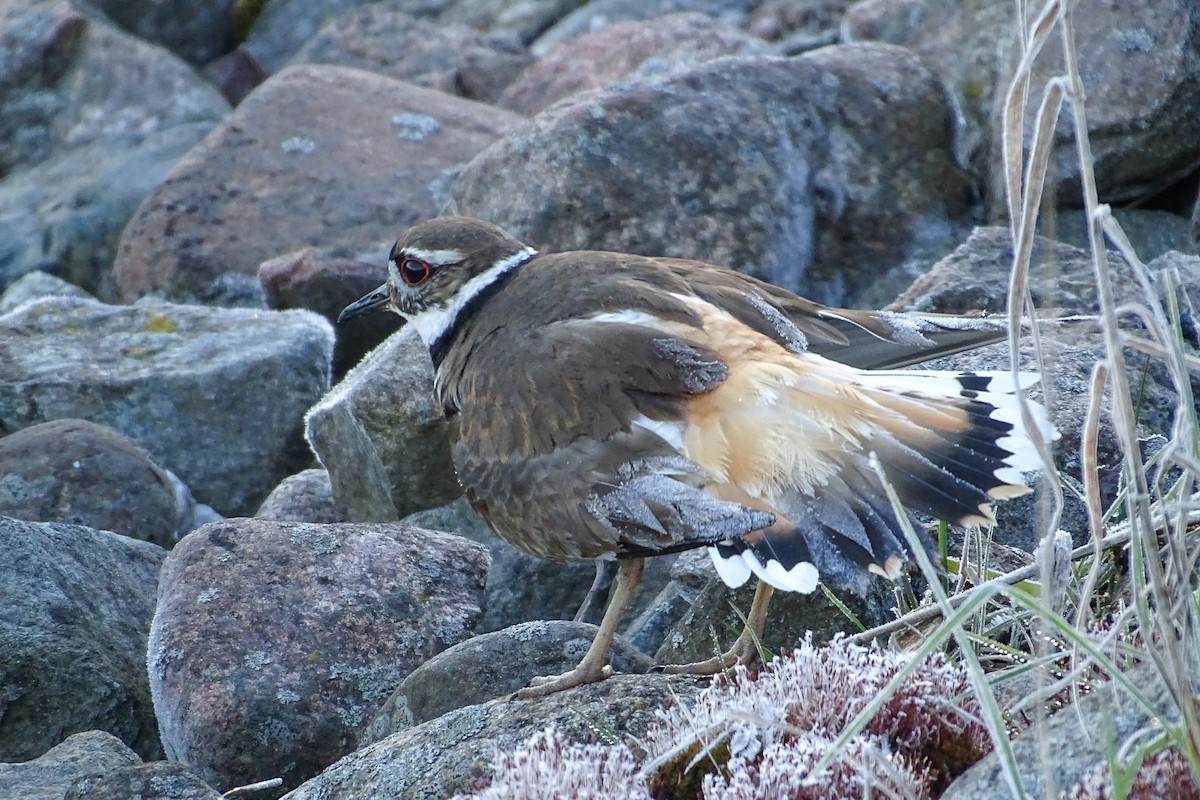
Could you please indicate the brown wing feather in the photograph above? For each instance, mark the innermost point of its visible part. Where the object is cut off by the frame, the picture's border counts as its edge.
(862, 339)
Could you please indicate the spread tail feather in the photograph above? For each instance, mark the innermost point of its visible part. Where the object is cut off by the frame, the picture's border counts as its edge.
(950, 443)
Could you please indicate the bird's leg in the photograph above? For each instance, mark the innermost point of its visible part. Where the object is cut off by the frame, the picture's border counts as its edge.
(744, 650)
(594, 666)
(601, 573)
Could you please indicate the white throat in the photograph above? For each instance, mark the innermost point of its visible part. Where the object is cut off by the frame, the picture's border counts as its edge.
(434, 321)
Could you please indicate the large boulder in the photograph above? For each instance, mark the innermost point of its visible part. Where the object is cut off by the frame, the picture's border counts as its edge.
(273, 643)
(77, 606)
(215, 395)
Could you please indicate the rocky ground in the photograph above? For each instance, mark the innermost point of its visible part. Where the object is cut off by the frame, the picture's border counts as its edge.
(191, 601)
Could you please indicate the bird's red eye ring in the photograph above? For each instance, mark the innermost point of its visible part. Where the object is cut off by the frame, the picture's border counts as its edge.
(414, 271)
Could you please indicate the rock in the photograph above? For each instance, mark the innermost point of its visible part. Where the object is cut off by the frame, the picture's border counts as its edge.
(1141, 75)
(303, 497)
(598, 14)
(794, 197)
(1184, 271)
(90, 121)
(80, 473)
(382, 435)
(77, 606)
(188, 384)
(499, 664)
(648, 625)
(453, 753)
(50, 775)
(34, 285)
(522, 587)
(316, 155)
(196, 31)
(382, 38)
(1055, 754)
(956, 38)
(274, 643)
(158, 780)
(320, 280)
(716, 618)
(526, 19)
(235, 74)
(631, 49)
(798, 25)
(283, 26)
(1151, 232)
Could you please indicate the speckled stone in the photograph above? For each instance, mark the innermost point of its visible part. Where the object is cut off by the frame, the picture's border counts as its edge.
(317, 155)
(275, 642)
(453, 753)
(768, 165)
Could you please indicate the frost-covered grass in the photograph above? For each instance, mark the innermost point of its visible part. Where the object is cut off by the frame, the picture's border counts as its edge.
(764, 734)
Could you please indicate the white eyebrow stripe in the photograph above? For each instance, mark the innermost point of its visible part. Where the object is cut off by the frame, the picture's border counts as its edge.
(435, 257)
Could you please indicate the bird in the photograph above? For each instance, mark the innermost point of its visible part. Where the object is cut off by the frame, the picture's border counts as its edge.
(606, 405)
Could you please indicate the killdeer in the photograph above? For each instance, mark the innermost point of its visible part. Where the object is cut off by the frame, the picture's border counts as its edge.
(607, 405)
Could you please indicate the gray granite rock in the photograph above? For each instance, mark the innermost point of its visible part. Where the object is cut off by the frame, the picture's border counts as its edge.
(273, 642)
(215, 395)
(283, 26)
(1055, 754)
(1152, 233)
(625, 50)
(158, 780)
(524, 19)
(195, 30)
(453, 753)
(77, 606)
(90, 121)
(798, 25)
(326, 280)
(958, 39)
(80, 473)
(304, 497)
(499, 664)
(382, 436)
(317, 155)
(51, 774)
(794, 197)
(598, 14)
(522, 587)
(1141, 73)
(35, 285)
(455, 59)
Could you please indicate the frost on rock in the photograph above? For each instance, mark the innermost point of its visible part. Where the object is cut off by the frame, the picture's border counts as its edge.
(763, 735)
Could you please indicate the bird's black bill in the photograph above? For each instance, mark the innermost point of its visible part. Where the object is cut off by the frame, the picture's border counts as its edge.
(365, 304)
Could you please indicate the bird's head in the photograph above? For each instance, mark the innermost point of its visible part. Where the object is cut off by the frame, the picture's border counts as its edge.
(437, 266)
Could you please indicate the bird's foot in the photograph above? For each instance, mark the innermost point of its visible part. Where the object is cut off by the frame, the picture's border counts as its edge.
(744, 651)
(549, 684)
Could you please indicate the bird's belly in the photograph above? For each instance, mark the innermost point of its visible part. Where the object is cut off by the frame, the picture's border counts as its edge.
(537, 507)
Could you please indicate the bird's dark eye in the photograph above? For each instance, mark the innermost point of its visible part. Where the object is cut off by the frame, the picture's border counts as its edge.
(414, 271)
